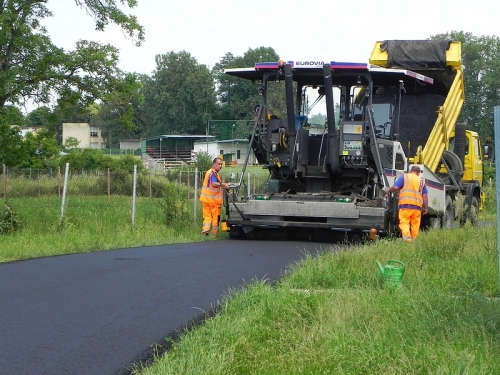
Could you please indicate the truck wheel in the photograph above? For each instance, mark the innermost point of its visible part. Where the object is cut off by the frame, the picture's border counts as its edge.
(392, 229)
(455, 167)
(449, 214)
(470, 213)
(434, 222)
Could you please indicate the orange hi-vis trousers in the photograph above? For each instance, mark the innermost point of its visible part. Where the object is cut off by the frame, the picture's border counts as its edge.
(211, 215)
(409, 223)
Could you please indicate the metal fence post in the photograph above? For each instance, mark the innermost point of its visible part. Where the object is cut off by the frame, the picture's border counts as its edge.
(109, 186)
(59, 182)
(65, 188)
(150, 185)
(133, 195)
(496, 123)
(4, 182)
(195, 203)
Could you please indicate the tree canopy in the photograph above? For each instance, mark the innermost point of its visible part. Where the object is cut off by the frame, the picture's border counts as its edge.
(481, 69)
(34, 69)
(237, 96)
(179, 97)
(105, 12)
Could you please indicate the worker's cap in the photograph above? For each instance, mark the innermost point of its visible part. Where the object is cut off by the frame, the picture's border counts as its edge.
(416, 168)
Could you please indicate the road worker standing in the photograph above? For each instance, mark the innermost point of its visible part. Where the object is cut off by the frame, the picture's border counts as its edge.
(412, 202)
(211, 198)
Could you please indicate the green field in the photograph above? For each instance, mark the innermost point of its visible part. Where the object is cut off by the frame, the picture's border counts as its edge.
(92, 224)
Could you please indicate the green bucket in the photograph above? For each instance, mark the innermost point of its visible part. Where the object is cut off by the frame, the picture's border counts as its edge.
(392, 273)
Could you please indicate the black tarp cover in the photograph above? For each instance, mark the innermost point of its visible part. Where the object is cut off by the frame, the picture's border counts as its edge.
(416, 54)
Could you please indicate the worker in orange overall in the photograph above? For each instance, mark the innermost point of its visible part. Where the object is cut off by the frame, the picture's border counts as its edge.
(211, 198)
(412, 202)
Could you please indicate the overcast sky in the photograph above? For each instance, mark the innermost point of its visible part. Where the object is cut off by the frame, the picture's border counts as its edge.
(297, 30)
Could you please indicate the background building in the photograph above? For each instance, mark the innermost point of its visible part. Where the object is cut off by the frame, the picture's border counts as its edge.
(88, 135)
(233, 151)
(130, 144)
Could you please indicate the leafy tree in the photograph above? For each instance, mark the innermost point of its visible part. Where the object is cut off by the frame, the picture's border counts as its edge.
(71, 142)
(142, 116)
(481, 69)
(10, 140)
(40, 116)
(317, 119)
(73, 113)
(107, 11)
(238, 96)
(33, 68)
(10, 135)
(107, 119)
(12, 115)
(179, 96)
(37, 149)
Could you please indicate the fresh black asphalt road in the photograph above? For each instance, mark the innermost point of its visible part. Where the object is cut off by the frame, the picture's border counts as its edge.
(96, 313)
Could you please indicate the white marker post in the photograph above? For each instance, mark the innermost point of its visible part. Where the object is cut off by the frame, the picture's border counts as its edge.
(496, 123)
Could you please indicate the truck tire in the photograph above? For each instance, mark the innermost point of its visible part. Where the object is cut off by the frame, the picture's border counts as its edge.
(455, 167)
(434, 222)
(471, 212)
(449, 214)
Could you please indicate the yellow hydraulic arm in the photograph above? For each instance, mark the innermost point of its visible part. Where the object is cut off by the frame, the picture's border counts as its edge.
(447, 114)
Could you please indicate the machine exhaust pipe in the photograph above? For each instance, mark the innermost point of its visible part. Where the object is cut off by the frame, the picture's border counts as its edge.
(290, 114)
(333, 138)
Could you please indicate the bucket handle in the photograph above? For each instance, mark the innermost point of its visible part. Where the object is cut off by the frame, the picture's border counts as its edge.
(398, 262)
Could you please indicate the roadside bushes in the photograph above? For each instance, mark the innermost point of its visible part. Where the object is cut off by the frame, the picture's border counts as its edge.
(203, 161)
(8, 219)
(175, 205)
(94, 160)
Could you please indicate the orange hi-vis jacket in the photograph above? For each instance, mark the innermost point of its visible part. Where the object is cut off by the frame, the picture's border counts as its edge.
(411, 193)
(210, 194)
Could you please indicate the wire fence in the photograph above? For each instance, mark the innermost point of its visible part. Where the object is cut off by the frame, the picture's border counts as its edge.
(52, 192)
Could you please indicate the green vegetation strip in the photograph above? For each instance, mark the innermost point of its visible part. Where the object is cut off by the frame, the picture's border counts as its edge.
(333, 315)
(96, 223)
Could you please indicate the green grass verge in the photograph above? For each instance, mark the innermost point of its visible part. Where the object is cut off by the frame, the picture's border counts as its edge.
(91, 223)
(332, 315)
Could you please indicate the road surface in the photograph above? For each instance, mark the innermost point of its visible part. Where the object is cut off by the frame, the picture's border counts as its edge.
(97, 313)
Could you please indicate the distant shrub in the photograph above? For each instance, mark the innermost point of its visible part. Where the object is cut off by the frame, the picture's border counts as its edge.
(94, 160)
(490, 203)
(8, 219)
(174, 204)
(203, 161)
(489, 174)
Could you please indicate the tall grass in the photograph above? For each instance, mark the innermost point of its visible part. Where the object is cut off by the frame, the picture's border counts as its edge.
(333, 315)
(93, 224)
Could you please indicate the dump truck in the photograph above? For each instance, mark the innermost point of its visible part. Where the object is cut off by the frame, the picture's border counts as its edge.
(376, 121)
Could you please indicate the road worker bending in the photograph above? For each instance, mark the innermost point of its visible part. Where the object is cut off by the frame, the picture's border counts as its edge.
(412, 202)
(211, 198)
